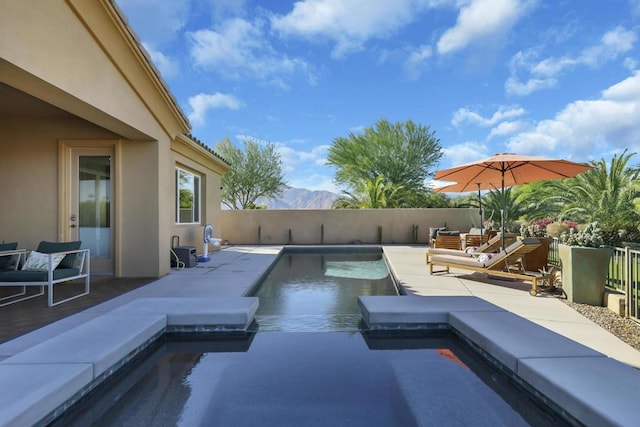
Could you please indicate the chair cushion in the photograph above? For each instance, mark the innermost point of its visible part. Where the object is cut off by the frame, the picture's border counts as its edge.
(475, 230)
(4, 260)
(40, 262)
(448, 233)
(433, 231)
(36, 276)
(51, 247)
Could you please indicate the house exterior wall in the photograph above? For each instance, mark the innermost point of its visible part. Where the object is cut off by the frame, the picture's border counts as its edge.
(29, 171)
(196, 160)
(340, 226)
(92, 81)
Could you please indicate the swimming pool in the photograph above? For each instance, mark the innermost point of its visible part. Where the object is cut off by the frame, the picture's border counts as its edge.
(307, 362)
(313, 290)
(311, 379)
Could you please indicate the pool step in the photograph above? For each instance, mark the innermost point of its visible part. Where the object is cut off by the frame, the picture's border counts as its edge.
(308, 322)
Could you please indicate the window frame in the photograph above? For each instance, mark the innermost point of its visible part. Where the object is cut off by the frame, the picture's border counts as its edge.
(196, 190)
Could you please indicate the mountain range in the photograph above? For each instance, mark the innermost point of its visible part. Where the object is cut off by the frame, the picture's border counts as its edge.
(300, 198)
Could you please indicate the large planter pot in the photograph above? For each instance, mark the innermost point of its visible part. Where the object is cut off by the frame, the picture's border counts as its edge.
(584, 273)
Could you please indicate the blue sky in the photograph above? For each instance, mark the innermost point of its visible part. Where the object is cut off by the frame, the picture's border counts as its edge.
(549, 78)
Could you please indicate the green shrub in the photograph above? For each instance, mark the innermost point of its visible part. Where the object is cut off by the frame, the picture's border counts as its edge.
(556, 230)
(591, 236)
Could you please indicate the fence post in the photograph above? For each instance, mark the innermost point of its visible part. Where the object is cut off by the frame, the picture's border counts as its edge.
(628, 283)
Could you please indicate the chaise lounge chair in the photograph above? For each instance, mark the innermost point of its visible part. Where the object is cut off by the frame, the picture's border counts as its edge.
(492, 245)
(508, 263)
(52, 263)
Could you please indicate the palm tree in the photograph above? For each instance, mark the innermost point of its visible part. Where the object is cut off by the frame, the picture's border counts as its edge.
(376, 194)
(513, 209)
(610, 196)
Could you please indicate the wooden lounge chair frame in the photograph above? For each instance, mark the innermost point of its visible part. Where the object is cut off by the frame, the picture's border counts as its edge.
(492, 245)
(82, 266)
(475, 240)
(502, 264)
(448, 242)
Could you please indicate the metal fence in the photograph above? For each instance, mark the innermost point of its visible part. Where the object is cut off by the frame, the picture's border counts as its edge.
(554, 258)
(624, 274)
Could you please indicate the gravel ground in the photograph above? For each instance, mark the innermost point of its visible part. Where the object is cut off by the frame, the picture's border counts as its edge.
(626, 329)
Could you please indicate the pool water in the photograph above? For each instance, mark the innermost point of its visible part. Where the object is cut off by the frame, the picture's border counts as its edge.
(311, 379)
(309, 362)
(319, 291)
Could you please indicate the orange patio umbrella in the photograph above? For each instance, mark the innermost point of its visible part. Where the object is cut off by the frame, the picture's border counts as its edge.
(506, 170)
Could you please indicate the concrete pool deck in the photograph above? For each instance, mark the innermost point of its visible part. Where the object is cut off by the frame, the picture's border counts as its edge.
(231, 274)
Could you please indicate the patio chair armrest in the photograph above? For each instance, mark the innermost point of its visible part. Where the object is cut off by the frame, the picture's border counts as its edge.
(21, 254)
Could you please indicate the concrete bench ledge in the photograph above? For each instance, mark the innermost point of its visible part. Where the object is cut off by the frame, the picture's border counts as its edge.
(385, 312)
(581, 381)
(225, 312)
(596, 391)
(65, 365)
(510, 338)
(30, 392)
(102, 342)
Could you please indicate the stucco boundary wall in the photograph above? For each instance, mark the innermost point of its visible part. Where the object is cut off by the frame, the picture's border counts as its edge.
(340, 226)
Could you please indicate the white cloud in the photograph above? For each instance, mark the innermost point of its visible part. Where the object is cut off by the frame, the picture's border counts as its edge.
(306, 168)
(611, 121)
(415, 62)
(348, 24)
(626, 90)
(203, 102)
(293, 159)
(503, 113)
(543, 73)
(630, 63)
(225, 9)
(167, 66)
(612, 44)
(507, 128)
(239, 49)
(514, 87)
(156, 22)
(465, 152)
(480, 20)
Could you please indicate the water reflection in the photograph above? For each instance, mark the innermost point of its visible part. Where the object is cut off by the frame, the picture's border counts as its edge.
(313, 291)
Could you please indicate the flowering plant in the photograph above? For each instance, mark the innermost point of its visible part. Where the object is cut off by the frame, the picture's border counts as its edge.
(533, 230)
(591, 237)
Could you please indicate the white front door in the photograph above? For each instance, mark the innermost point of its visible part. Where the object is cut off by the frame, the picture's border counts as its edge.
(91, 212)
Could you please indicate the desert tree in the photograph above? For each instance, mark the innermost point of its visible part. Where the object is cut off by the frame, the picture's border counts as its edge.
(256, 171)
(402, 153)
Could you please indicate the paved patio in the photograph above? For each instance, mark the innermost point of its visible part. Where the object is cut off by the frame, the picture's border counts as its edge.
(550, 312)
(235, 269)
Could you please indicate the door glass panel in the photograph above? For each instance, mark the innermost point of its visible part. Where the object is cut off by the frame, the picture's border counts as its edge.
(94, 219)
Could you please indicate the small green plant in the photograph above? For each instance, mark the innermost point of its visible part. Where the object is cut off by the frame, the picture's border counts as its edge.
(532, 230)
(591, 236)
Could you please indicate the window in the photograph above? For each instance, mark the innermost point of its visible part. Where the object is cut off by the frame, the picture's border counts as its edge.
(187, 197)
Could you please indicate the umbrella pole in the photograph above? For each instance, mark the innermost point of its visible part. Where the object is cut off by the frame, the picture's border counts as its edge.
(481, 220)
(502, 211)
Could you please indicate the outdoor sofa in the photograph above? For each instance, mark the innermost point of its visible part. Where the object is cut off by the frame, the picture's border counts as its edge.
(50, 264)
